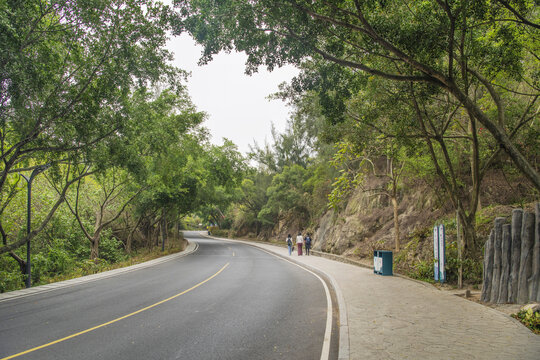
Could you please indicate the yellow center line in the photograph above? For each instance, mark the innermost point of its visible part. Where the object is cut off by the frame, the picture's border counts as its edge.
(115, 320)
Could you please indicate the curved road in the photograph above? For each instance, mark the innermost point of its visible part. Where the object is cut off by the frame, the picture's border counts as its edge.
(225, 301)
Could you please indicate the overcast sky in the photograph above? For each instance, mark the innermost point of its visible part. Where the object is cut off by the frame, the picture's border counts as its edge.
(236, 104)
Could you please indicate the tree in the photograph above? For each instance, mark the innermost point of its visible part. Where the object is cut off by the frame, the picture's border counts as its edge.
(449, 45)
(299, 143)
(253, 199)
(286, 193)
(66, 70)
(106, 204)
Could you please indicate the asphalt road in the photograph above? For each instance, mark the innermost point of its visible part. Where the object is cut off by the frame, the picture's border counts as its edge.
(224, 301)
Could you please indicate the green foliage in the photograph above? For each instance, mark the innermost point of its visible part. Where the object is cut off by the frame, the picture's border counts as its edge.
(110, 249)
(286, 193)
(453, 52)
(68, 70)
(10, 280)
(318, 186)
(472, 267)
(422, 270)
(530, 319)
(346, 161)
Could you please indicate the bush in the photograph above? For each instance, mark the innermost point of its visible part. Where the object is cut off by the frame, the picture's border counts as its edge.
(56, 261)
(10, 280)
(39, 268)
(530, 319)
(472, 268)
(59, 261)
(423, 270)
(110, 249)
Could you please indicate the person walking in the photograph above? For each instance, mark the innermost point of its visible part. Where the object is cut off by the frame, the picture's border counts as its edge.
(299, 242)
(289, 243)
(307, 242)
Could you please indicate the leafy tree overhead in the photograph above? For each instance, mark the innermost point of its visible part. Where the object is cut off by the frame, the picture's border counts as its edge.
(66, 70)
(450, 45)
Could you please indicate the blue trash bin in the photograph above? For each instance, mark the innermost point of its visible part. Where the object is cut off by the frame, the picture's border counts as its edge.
(382, 262)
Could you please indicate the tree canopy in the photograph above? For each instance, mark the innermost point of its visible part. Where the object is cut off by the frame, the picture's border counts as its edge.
(450, 45)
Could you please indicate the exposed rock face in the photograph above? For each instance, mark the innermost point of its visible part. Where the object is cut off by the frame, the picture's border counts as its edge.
(366, 223)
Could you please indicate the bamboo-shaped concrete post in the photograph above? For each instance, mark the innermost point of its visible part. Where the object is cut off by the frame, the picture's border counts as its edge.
(497, 255)
(525, 264)
(505, 264)
(488, 267)
(535, 280)
(517, 216)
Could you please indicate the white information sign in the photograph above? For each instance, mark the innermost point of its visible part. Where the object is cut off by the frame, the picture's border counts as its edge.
(436, 252)
(442, 253)
(377, 263)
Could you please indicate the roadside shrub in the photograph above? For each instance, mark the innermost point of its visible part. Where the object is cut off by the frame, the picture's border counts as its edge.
(110, 249)
(221, 232)
(422, 270)
(10, 280)
(472, 268)
(39, 268)
(59, 261)
(530, 319)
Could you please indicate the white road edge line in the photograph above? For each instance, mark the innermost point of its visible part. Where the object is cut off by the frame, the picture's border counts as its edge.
(325, 354)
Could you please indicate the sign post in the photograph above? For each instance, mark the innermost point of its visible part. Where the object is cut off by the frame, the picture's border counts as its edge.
(439, 253)
(442, 254)
(436, 252)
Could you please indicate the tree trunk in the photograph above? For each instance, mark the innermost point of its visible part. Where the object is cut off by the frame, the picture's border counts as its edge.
(163, 232)
(129, 240)
(499, 134)
(460, 252)
(94, 249)
(468, 232)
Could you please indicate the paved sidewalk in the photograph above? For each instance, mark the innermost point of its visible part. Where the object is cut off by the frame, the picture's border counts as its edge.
(390, 317)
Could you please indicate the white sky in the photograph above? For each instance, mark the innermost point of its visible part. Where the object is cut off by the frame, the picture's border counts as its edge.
(236, 104)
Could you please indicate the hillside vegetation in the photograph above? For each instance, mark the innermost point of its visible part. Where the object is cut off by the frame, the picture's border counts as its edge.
(404, 114)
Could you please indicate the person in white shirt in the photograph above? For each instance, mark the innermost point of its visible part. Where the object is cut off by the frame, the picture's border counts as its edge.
(299, 242)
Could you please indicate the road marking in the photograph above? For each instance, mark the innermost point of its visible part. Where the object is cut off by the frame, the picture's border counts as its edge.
(117, 319)
(325, 353)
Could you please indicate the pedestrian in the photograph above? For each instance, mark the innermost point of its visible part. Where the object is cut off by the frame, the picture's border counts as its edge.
(289, 243)
(299, 242)
(307, 241)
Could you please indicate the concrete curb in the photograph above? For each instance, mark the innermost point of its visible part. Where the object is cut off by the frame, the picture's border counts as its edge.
(192, 247)
(344, 341)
